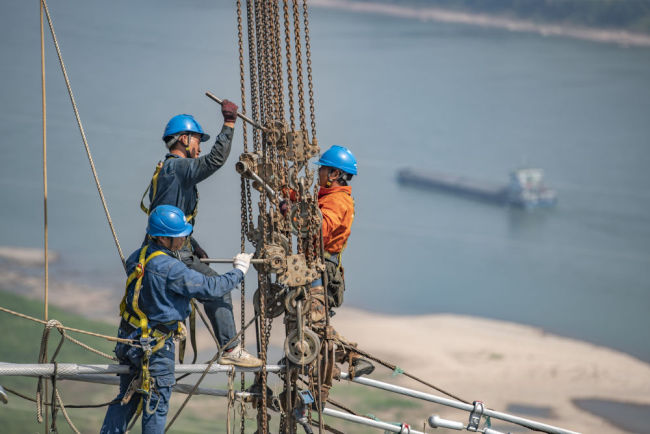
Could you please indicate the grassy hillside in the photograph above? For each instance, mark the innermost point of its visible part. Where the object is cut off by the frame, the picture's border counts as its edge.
(20, 343)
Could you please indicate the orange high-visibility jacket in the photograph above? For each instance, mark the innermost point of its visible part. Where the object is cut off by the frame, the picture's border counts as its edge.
(337, 206)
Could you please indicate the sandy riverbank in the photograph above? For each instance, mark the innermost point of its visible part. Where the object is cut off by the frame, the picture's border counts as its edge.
(500, 363)
(514, 25)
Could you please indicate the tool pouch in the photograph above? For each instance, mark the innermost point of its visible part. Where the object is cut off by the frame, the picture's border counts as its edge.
(335, 284)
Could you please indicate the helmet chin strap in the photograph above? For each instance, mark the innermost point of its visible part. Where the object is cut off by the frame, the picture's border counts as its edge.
(329, 182)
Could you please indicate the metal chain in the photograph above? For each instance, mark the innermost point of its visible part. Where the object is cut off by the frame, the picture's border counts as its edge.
(258, 77)
(271, 61)
(267, 25)
(249, 209)
(287, 42)
(280, 170)
(312, 114)
(260, 27)
(262, 285)
(244, 227)
(297, 44)
(278, 62)
(245, 190)
(250, 24)
(242, 78)
(262, 355)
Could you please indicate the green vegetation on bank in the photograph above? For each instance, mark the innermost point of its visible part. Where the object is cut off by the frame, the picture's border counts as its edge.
(631, 15)
(20, 343)
(21, 339)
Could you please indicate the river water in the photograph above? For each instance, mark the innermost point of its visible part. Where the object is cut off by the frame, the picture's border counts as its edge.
(399, 92)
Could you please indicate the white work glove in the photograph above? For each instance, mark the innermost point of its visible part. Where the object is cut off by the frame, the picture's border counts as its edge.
(242, 261)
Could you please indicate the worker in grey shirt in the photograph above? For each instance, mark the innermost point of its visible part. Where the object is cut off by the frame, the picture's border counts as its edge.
(174, 183)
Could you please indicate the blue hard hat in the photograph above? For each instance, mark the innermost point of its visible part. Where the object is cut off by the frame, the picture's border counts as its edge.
(339, 157)
(168, 221)
(184, 123)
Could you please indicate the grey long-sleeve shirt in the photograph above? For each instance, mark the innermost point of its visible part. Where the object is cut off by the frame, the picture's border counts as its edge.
(178, 177)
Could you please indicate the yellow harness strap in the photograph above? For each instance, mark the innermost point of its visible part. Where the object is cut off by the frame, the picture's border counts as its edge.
(153, 185)
(138, 273)
(143, 323)
(338, 255)
(188, 218)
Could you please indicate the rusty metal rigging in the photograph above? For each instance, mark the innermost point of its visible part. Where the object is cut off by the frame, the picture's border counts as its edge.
(287, 244)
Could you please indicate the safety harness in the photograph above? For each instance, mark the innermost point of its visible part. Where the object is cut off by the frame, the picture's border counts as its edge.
(151, 339)
(334, 258)
(153, 185)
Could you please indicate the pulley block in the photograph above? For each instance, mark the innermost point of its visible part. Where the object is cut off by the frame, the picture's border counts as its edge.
(304, 218)
(274, 301)
(291, 301)
(302, 346)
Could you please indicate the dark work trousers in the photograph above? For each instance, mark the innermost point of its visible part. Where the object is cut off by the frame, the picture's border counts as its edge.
(161, 367)
(219, 311)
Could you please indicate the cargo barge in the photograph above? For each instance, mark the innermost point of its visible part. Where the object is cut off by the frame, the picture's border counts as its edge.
(526, 188)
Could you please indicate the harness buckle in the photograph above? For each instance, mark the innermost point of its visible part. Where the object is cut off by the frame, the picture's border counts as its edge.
(139, 269)
(146, 345)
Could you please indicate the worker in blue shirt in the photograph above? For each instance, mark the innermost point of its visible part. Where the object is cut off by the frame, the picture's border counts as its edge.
(156, 302)
(174, 183)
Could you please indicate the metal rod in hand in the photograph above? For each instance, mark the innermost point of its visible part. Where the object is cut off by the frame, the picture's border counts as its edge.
(243, 117)
(229, 261)
(267, 188)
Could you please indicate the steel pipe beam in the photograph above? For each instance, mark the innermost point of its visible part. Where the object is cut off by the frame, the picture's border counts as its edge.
(457, 404)
(369, 422)
(72, 369)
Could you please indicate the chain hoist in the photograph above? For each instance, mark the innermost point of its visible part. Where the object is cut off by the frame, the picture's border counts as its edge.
(286, 228)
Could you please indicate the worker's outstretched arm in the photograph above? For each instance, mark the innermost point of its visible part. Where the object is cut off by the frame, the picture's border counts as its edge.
(195, 170)
(193, 284)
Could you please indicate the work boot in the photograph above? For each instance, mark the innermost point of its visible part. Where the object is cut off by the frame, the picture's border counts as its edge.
(238, 356)
(362, 367)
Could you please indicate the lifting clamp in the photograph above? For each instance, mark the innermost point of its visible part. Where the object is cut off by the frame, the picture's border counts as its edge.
(475, 416)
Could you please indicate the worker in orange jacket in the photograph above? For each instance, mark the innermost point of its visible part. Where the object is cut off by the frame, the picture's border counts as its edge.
(337, 167)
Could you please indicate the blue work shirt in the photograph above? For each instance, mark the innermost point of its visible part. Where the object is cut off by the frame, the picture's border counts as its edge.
(178, 177)
(168, 285)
